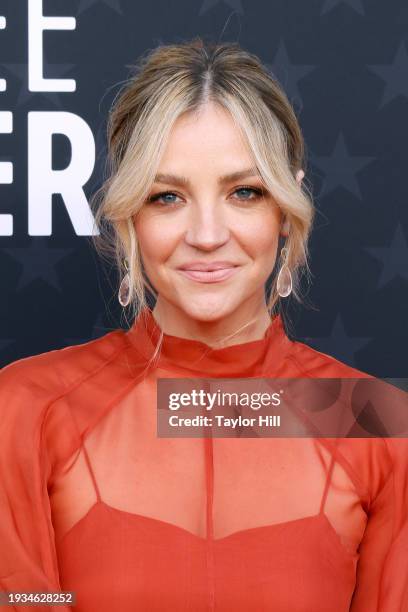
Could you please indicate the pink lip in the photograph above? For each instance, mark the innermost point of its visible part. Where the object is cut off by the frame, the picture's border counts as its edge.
(207, 267)
(212, 276)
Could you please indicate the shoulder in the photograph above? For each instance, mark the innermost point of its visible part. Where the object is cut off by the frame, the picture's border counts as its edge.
(53, 371)
(35, 404)
(374, 460)
(313, 363)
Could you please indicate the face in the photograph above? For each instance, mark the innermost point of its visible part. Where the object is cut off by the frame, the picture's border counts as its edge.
(199, 215)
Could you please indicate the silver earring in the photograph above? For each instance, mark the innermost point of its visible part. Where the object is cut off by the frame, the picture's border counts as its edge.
(284, 281)
(124, 289)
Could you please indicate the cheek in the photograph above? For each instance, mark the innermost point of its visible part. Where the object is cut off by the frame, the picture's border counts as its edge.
(156, 242)
(260, 237)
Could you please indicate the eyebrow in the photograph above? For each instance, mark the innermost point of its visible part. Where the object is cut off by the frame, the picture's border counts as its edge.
(182, 181)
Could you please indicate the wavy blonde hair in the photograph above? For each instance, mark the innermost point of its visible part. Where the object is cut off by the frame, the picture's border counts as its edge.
(173, 79)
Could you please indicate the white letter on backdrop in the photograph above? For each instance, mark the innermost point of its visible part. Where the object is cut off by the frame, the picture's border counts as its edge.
(37, 23)
(43, 181)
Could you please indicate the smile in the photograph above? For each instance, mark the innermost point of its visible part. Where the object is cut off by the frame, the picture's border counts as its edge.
(215, 276)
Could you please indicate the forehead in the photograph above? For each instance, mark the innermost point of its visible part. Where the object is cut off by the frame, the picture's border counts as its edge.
(208, 135)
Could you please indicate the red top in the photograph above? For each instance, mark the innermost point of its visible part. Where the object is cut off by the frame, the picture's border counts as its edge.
(93, 501)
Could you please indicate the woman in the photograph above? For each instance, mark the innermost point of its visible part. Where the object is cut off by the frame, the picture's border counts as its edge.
(205, 208)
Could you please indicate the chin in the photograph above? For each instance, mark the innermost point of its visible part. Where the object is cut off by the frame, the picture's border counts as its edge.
(207, 311)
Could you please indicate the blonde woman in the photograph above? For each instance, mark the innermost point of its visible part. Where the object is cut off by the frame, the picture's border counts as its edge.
(205, 209)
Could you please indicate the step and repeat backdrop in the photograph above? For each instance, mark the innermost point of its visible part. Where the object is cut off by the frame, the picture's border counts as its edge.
(344, 66)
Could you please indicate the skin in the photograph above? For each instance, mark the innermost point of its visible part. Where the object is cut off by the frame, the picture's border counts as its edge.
(207, 221)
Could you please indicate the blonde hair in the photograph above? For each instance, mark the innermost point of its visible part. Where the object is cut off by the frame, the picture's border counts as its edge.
(173, 79)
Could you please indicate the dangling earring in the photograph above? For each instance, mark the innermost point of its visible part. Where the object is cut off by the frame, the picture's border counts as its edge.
(124, 289)
(284, 281)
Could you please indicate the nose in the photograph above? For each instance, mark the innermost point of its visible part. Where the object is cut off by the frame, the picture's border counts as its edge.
(207, 227)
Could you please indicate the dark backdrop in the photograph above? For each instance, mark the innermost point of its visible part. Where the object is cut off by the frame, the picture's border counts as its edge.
(344, 65)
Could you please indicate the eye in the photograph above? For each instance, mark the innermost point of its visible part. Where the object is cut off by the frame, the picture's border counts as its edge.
(256, 193)
(168, 198)
(161, 198)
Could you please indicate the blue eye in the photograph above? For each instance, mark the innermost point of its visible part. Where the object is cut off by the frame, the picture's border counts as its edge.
(257, 192)
(164, 194)
(162, 197)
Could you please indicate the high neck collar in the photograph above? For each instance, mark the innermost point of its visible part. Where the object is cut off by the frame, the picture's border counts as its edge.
(247, 359)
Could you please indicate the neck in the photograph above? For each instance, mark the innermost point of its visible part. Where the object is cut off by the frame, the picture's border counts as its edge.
(246, 324)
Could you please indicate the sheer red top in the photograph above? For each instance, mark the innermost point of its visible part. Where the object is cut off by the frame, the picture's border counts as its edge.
(93, 501)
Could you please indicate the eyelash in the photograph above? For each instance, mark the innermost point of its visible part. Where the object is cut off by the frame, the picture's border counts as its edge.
(154, 198)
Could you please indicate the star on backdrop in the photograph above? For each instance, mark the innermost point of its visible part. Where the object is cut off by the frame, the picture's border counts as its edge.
(288, 73)
(113, 4)
(340, 168)
(393, 258)
(357, 5)
(209, 4)
(394, 74)
(38, 261)
(338, 343)
(52, 71)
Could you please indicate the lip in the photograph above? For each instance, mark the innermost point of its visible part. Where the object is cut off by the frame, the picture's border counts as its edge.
(207, 266)
(210, 276)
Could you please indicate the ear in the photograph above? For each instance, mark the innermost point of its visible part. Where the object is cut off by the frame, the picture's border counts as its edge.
(285, 227)
(299, 176)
